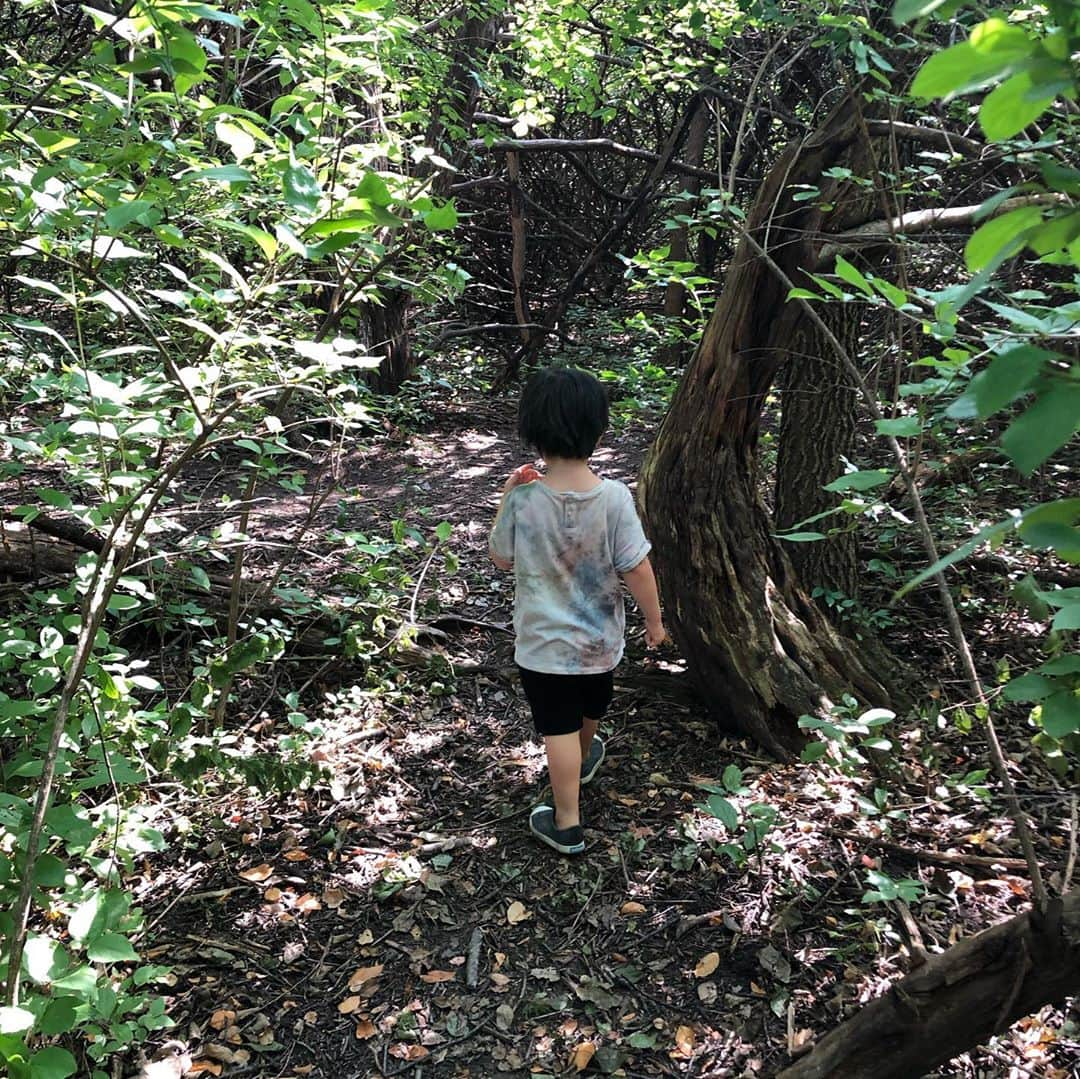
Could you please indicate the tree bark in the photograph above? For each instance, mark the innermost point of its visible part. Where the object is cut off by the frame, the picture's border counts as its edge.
(759, 651)
(817, 428)
(388, 322)
(388, 325)
(956, 1000)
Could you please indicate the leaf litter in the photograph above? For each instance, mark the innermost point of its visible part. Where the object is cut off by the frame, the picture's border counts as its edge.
(365, 903)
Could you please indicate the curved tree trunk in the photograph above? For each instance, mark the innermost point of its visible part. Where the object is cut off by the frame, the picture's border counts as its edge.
(756, 646)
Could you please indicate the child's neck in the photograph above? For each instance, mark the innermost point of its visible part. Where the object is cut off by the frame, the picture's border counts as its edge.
(569, 474)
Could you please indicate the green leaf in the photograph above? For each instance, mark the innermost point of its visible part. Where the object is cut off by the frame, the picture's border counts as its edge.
(723, 811)
(1061, 714)
(15, 1020)
(1026, 593)
(443, 531)
(59, 1016)
(42, 957)
(121, 215)
(53, 142)
(236, 138)
(441, 218)
(1044, 428)
(354, 223)
(859, 481)
(1010, 373)
(266, 243)
(801, 537)
(901, 427)
(1062, 665)
(732, 778)
(848, 273)
(49, 871)
(301, 189)
(1028, 687)
(814, 751)
(222, 174)
(52, 1063)
(1001, 237)
(802, 294)
(1067, 618)
(994, 48)
(1013, 105)
(111, 948)
(905, 10)
(373, 188)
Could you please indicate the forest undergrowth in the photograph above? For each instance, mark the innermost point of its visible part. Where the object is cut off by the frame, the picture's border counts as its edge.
(391, 914)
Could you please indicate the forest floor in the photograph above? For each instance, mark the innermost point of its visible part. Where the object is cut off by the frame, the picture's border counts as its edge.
(395, 917)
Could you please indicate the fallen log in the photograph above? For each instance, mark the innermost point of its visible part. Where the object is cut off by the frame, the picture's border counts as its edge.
(956, 1000)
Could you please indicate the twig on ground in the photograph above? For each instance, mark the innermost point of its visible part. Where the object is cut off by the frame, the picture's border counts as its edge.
(946, 857)
(472, 962)
(913, 933)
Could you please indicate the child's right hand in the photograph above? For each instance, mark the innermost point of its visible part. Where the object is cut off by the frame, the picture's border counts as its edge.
(655, 634)
(522, 474)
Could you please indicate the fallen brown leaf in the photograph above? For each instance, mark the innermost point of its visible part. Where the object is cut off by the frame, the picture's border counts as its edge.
(256, 873)
(222, 1018)
(365, 1029)
(581, 1056)
(433, 976)
(364, 974)
(408, 1052)
(707, 964)
(684, 1042)
(516, 912)
(349, 1005)
(632, 907)
(201, 1066)
(296, 856)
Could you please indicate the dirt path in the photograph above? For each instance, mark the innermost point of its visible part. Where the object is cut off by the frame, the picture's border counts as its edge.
(400, 921)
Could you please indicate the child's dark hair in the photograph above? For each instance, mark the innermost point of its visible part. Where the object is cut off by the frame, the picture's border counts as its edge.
(563, 412)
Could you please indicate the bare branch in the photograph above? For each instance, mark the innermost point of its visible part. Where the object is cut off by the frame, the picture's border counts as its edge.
(586, 146)
(918, 221)
(931, 136)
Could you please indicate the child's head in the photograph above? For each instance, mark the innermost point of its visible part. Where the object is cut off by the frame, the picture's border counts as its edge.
(563, 412)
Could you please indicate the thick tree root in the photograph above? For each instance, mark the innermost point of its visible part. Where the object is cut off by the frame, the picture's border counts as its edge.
(956, 1000)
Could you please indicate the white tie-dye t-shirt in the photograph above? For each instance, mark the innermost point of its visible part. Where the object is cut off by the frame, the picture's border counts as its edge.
(568, 549)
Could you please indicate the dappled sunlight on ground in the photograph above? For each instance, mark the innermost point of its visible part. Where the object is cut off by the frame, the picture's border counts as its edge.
(399, 916)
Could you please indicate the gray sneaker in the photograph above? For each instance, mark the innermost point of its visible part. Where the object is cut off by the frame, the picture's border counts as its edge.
(564, 840)
(592, 762)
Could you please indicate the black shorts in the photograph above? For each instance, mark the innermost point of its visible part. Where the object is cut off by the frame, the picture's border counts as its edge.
(559, 702)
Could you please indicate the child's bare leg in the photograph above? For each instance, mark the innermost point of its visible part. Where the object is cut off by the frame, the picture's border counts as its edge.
(564, 771)
(588, 732)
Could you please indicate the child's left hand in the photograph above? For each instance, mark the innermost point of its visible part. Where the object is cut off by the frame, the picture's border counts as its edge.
(523, 474)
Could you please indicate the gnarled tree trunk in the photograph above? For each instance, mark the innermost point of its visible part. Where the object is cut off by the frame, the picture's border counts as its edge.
(759, 650)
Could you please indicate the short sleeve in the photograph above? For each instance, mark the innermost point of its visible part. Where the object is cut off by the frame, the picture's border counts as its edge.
(501, 540)
(629, 545)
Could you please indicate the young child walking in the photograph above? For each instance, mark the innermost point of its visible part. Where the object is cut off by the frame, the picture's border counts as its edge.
(569, 536)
